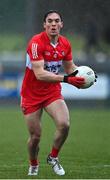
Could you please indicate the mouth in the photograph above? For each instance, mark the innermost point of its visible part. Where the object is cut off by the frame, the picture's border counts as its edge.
(53, 30)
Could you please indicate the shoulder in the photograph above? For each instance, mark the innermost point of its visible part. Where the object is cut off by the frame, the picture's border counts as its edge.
(36, 40)
(64, 41)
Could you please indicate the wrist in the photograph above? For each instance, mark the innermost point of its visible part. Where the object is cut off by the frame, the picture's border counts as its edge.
(65, 78)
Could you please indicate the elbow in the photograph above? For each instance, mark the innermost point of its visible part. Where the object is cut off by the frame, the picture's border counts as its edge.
(39, 76)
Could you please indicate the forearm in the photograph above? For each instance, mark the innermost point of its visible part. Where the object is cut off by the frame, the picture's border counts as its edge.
(70, 70)
(69, 66)
(49, 76)
(74, 67)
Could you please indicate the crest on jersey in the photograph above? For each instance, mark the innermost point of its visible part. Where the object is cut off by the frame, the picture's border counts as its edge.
(55, 55)
(34, 50)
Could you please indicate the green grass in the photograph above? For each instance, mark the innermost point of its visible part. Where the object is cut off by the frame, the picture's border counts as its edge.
(86, 153)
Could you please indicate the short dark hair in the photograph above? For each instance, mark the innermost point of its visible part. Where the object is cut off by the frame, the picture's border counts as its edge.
(52, 11)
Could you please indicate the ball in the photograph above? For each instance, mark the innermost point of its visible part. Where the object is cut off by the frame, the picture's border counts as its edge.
(88, 74)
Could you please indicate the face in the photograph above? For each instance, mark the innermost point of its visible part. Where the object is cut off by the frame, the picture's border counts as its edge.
(53, 24)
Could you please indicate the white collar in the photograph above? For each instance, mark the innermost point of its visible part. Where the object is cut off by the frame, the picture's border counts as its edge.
(54, 45)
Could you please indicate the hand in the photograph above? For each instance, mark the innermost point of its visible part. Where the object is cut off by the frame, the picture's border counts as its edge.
(75, 81)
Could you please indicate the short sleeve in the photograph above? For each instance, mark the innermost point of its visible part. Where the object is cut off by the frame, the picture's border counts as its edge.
(68, 56)
(35, 50)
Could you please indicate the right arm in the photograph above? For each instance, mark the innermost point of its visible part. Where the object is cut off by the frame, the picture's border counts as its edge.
(44, 75)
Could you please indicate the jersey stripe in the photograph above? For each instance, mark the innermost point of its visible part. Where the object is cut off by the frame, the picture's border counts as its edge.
(34, 50)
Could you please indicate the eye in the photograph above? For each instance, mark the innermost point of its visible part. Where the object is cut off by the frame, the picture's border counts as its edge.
(57, 20)
(49, 20)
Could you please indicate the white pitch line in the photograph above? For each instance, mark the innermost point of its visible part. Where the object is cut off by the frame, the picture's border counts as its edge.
(22, 165)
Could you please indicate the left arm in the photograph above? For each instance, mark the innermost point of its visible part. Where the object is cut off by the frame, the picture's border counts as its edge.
(71, 78)
(69, 66)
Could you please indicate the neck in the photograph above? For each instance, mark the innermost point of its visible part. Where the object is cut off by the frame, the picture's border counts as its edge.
(53, 39)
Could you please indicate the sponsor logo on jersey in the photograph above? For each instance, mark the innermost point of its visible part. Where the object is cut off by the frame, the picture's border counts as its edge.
(53, 66)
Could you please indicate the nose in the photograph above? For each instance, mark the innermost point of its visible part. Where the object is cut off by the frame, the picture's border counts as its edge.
(53, 23)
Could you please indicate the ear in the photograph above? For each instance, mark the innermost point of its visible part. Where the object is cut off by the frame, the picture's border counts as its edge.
(62, 24)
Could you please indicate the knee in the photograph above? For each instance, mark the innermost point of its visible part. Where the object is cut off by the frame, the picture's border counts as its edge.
(65, 127)
(35, 137)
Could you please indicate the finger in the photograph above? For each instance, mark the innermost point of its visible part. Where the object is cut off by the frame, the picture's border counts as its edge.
(80, 79)
(74, 73)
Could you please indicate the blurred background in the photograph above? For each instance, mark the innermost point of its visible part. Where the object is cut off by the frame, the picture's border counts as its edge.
(86, 25)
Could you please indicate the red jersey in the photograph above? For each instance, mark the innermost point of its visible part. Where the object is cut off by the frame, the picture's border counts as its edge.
(40, 48)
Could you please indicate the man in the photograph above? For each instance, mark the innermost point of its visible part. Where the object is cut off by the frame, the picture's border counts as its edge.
(41, 88)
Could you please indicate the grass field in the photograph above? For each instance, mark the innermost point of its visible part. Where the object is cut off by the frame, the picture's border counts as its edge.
(86, 153)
